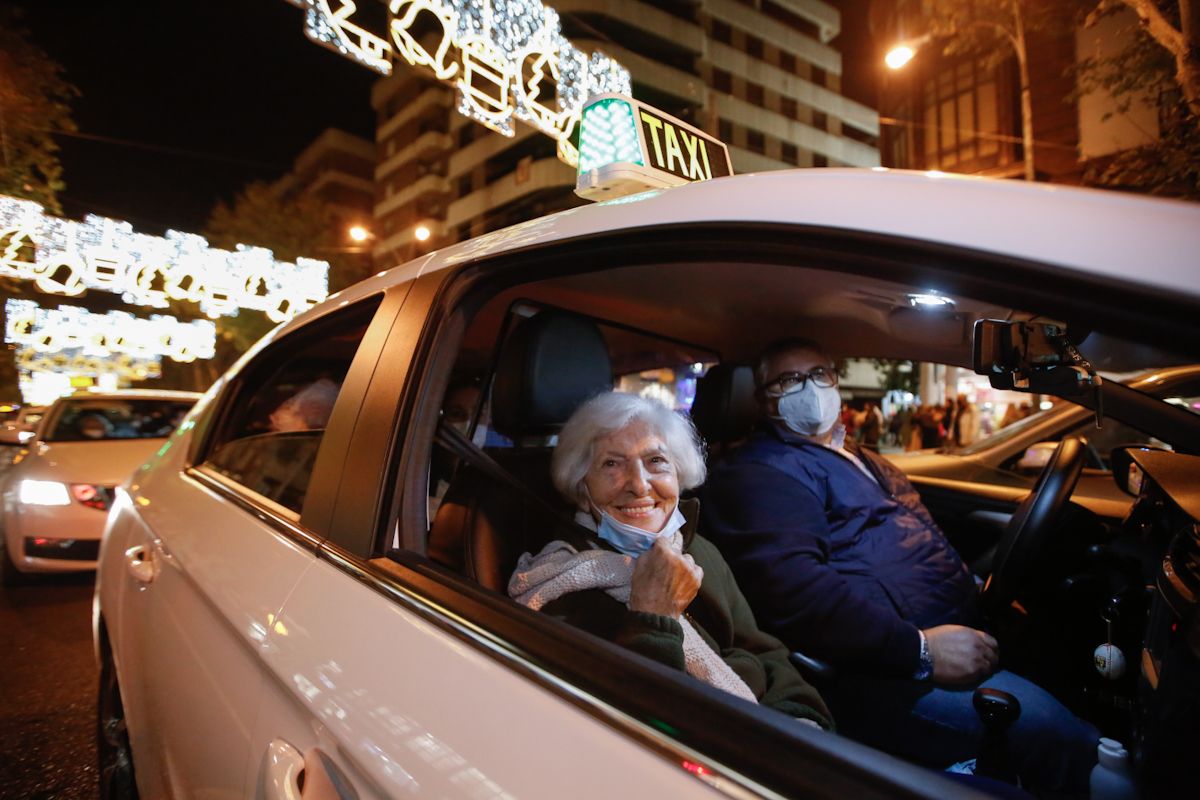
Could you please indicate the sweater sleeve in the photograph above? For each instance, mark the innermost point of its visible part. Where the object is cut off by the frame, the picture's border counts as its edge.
(651, 635)
(772, 530)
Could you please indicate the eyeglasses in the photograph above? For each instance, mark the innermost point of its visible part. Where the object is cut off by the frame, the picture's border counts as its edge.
(820, 376)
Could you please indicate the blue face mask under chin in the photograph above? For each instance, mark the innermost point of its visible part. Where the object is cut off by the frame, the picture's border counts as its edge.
(632, 540)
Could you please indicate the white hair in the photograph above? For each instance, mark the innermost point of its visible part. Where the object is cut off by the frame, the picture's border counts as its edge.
(604, 415)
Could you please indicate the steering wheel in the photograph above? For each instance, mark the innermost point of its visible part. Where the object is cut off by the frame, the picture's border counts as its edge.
(1032, 524)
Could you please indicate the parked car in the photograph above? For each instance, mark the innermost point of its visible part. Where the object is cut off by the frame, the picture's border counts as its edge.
(324, 602)
(1015, 455)
(59, 489)
(18, 428)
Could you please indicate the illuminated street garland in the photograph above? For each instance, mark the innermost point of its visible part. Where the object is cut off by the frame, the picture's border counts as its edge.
(79, 332)
(66, 257)
(54, 346)
(125, 368)
(508, 59)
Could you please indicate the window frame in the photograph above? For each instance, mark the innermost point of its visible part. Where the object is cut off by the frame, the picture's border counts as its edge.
(266, 359)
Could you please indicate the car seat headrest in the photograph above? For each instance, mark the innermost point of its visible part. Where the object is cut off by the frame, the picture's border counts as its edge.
(725, 408)
(550, 364)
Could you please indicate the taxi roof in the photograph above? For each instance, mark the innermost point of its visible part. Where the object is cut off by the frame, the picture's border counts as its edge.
(1103, 234)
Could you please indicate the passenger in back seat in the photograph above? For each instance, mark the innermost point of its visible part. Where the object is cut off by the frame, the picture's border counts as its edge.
(646, 580)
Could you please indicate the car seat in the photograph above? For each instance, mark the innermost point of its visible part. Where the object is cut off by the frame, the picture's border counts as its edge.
(725, 409)
(550, 364)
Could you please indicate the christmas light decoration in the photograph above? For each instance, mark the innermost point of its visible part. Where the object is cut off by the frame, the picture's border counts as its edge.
(77, 331)
(68, 258)
(52, 347)
(508, 59)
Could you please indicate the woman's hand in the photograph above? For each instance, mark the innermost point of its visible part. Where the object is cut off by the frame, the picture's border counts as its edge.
(664, 582)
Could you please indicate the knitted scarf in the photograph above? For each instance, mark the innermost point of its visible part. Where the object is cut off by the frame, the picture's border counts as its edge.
(560, 569)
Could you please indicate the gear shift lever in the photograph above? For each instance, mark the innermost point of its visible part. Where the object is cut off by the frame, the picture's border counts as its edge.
(998, 710)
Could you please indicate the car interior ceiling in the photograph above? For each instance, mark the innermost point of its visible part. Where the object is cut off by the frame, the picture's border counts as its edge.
(709, 305)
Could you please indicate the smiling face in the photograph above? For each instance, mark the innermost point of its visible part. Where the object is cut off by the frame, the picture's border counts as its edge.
(632, 477)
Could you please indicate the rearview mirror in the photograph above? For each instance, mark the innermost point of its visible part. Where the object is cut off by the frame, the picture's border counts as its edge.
(1037, 357)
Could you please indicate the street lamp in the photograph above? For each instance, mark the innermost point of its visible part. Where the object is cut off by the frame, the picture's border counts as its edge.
(358, 233)
(902, 53)
(422, 233)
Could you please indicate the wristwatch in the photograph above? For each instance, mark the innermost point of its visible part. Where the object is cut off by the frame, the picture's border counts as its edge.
(925, 671)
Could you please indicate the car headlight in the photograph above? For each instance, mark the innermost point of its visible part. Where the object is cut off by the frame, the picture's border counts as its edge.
(43, 493)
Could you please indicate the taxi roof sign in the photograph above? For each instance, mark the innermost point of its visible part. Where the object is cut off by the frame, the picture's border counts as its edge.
(626, 147)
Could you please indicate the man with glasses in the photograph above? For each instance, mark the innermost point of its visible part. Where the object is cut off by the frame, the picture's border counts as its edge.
(840, 559)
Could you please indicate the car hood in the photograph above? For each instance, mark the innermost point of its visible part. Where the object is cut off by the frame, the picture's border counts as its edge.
(105, 463)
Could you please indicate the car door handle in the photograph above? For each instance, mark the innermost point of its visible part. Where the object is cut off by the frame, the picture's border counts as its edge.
(139, 560)
(291, 775)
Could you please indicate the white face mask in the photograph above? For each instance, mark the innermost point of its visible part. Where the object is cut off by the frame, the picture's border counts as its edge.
(810, 410)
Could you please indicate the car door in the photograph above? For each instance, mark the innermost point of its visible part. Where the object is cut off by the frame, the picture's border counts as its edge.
(370, 694)
(207, 553)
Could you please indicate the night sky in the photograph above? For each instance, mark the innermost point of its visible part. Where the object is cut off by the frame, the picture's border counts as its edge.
(234, 83)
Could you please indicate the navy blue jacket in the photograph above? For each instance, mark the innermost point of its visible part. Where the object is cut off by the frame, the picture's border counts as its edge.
(836, 565)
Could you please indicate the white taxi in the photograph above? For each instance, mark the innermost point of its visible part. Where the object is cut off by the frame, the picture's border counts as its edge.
(318, 606)
(57, 492)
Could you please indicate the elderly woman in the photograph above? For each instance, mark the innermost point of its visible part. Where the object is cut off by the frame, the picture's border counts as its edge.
(646, 580)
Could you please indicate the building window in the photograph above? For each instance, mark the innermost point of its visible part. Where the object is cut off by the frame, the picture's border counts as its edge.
(820, 120)
(754, 94)
(725, 130)
(722, 81)
(818, 76)
(755, 141)
(789, 108)
(820, 161)
(960, 118)
(754, 46)
(721, 32)
(464, 185)
(787, 61)
(790, 153)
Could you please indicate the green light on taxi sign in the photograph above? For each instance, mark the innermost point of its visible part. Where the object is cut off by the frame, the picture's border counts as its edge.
(608, 134)
(627, 147)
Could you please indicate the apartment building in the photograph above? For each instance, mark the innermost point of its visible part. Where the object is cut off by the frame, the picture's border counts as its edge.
(761, 75)
(338, 167)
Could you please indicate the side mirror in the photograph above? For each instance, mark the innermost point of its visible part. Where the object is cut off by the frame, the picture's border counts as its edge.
(1036, 457)
(14, 435)
(1126, 471)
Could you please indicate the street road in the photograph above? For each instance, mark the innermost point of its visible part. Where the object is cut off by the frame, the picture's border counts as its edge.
(48, 684)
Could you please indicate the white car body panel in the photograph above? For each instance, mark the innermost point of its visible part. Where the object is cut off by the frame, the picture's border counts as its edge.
(212, 595)
(407, 709)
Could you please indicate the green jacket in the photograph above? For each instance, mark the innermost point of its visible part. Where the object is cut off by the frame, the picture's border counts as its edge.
(719, 613)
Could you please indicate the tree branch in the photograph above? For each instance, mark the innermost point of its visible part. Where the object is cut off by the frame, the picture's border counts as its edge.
(1157, 25)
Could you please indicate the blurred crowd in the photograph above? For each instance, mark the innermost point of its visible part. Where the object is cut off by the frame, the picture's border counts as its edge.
(956, 423)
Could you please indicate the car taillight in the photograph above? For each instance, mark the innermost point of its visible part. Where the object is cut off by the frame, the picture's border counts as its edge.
(90, 496)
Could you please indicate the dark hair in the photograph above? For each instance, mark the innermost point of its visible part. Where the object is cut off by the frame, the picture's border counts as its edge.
(779, 347)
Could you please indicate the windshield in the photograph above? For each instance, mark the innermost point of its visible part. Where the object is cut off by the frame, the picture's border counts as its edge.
(1178, 386)
(86, 420)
